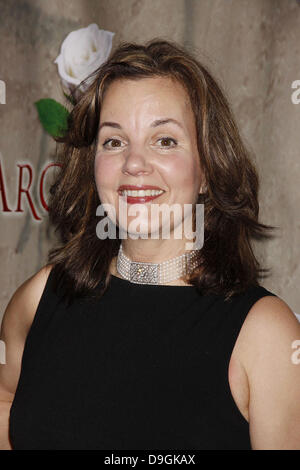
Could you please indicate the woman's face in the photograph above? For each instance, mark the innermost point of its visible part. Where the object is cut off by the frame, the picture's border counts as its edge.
(147, 136)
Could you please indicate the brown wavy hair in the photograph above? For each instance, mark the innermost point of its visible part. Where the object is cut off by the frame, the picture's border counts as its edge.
(227, 264)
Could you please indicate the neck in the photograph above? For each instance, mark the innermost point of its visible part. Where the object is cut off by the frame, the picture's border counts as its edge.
(153, 251)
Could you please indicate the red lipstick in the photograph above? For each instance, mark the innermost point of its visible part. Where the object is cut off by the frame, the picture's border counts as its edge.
(142, 199)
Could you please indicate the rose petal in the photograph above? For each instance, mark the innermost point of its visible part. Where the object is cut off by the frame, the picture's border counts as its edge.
(82, 52)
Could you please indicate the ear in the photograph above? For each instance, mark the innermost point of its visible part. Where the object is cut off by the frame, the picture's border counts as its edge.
(202, 188)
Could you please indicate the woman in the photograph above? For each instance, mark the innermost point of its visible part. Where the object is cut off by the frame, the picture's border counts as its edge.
(139, 342)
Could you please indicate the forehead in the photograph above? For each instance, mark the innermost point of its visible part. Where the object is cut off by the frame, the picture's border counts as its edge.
(154, 94)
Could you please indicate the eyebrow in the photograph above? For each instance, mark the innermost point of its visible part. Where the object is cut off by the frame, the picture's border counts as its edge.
(156, 123)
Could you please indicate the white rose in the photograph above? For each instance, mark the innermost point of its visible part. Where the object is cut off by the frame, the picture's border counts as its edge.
(82, 52)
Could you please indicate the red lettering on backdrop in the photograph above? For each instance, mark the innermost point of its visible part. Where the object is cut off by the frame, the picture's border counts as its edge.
(2, 191)
(26, 191)
(43, 202)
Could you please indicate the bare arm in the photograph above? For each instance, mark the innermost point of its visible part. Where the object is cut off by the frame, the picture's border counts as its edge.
(273, 375)
(16, 323)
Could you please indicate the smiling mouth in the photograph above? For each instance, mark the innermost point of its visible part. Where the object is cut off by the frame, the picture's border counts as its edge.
(140, 196)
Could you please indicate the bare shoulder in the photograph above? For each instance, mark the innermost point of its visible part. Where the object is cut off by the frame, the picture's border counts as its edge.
(270, 326)
(16, 322)
(23, 304)
(272, 307)
(265, 350)
(269, 322)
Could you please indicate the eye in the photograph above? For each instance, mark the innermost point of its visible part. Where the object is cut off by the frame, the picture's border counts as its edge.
(166, 142)
(115, 143)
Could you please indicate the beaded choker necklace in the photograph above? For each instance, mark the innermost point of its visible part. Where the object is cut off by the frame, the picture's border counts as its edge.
(156, 273)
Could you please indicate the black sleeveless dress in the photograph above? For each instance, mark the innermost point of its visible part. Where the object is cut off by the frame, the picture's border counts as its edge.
(143, 368)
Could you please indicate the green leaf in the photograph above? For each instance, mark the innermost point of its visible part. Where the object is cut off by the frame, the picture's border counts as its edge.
(53, 116)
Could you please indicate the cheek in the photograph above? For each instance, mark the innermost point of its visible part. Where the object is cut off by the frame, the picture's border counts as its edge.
(106, 171)
(181, 172)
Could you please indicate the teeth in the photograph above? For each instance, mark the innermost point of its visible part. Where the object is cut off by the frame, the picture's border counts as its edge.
(142, 193)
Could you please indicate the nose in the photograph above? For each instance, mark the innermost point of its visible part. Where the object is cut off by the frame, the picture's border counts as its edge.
(136, 163)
